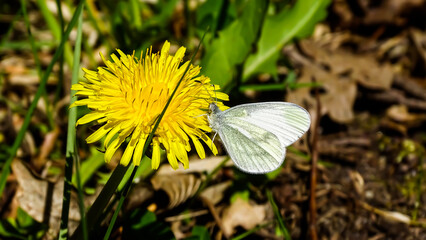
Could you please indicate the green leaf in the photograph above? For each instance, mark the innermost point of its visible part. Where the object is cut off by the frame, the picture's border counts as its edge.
(233, 44)
(21, 227)
(245, 195)
(144, 224)
(280, 29)
(89, 167)
(272, 175)
(278, 216)
(208, 14)
(199, 233)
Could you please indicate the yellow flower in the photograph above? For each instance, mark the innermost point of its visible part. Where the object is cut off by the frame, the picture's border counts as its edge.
(128, 95)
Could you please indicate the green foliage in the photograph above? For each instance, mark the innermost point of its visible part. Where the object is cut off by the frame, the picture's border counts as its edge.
(407, 147)
(90, 166)
(244, 195)
(136, 24)
(143, 223)
(272, 175)
(233, 44)
(208, 15)
(21, 227)
(278, 216)
(278, 30)
(199, 233)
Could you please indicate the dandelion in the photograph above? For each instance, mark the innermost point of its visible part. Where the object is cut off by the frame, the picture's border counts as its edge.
(127, 96)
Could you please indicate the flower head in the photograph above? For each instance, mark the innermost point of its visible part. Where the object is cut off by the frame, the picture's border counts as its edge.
(128, 95)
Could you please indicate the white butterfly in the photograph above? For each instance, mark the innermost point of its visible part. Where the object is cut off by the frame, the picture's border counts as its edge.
(256, 135)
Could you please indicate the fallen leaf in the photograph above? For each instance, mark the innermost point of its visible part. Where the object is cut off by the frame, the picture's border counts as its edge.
(216, 192)
(390, 11)
(178, 187)
(363, 68)
(339, 94)
(400, 115)
(42, 199)
(244, 214)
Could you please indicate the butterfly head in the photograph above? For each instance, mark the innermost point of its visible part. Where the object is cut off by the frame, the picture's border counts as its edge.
(212, 116)
(213, 108)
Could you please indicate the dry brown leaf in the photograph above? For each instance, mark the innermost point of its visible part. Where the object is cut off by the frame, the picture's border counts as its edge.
(390, 11)
(42, 200)
(215, 193)
(400, 113)
(362, 68)
(178, 187)
(337, 71)
(358, 181)
(14, 65)
(141, 192)
(339, 94)
(343, 11)
(21, 72)
(401, 119)
(244, 214)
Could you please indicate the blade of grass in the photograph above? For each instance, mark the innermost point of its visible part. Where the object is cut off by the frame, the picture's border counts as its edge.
(147, 143)
(278, 215)
(37, 63)
(81, 199)
(143, 171)
(71, 153)
(9, 32)
(89, 167)
(18, 140)
(262, 87)
(54, 28)
(101, 201)
(251, 231)
(136, 14)
(24, 45)
(31, 38)
(99, 25)
(61, 59)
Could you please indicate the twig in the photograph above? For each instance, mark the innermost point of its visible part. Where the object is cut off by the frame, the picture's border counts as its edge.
(312, 200)
(394, 96)
(410, 86)
(186, 216)
(393, 216)
(215, 215)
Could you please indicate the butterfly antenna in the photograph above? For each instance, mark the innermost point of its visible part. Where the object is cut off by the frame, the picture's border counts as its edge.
(208, 92)
(214, 90)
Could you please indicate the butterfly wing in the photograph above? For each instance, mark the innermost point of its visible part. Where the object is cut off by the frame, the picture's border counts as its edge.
(255, 135)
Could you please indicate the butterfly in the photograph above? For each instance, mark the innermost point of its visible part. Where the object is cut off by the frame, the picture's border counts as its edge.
(256, 135)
